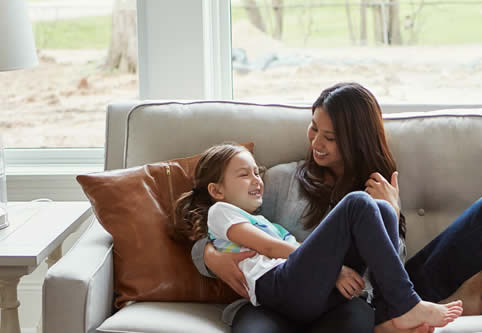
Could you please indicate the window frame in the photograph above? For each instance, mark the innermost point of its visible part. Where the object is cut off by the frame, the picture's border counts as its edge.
(50, 172)
(34, 173)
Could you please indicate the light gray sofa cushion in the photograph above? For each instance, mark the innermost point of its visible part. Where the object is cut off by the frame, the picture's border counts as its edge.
(78, 290)
(468, 324)
(163, 317)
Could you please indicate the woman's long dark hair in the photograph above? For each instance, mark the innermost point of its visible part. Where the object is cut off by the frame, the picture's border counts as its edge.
(360, 137)
(192, 207)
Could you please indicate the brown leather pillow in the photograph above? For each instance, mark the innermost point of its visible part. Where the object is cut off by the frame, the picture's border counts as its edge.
(134, 205)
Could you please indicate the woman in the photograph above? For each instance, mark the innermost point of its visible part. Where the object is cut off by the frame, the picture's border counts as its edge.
(349, 152)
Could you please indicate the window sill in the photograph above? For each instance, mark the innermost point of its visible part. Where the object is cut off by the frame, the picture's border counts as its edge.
(49, 173)
(52, 170)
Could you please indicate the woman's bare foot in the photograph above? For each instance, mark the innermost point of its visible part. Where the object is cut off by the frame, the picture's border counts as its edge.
(470, 292)
(436, 315)
(387, 327)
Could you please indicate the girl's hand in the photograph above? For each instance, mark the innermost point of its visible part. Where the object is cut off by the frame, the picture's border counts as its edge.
(379, 188)
(225, 266)
(349, 283)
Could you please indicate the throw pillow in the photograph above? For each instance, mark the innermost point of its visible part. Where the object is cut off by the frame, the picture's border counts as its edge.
(134, 205)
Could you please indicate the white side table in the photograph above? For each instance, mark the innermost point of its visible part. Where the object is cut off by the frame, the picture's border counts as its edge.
(36, 231)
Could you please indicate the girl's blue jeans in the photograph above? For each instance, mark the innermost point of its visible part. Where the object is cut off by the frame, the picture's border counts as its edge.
(439, 269)
(359, 232)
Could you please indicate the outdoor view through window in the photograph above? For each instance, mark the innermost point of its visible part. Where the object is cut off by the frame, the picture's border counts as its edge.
(83, 65)
(404, 51)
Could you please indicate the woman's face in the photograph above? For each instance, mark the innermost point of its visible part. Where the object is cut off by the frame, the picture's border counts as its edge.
(323, 142)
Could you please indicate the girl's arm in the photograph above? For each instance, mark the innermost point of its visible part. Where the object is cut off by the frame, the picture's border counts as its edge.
(249, 236)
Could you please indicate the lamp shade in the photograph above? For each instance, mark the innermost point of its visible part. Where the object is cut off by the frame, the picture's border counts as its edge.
(17, 46)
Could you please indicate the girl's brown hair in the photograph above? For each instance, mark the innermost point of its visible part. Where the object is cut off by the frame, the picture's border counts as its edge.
(192, 207)
(360, 137)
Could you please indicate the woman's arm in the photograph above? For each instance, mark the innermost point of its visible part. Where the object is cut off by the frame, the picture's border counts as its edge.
(379, 188)
(210, 262)
(249, 236)
(197, 255)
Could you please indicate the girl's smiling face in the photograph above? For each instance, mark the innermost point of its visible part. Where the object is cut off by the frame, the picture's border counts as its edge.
(242, 185)
(322, 138)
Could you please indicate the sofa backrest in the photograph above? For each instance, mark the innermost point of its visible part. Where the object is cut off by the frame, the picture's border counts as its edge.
(439, 153)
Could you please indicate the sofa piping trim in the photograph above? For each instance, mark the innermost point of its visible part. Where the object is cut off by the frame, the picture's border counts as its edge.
(136, 107)
(386, 116)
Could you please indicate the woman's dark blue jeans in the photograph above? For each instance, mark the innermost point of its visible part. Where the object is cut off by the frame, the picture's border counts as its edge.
(355, 234)
(351, 316)
(439, 269)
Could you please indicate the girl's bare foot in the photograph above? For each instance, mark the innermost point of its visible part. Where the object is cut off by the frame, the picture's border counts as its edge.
(470, 292)
(387, 327)
(433, 314)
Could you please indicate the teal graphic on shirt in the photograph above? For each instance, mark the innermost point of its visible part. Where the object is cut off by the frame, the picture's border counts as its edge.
(259, 222)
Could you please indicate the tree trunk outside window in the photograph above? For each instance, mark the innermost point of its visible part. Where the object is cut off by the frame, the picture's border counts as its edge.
(122, 54)
(394, 36)
(278, 18)
(254, 14)
(253, 10)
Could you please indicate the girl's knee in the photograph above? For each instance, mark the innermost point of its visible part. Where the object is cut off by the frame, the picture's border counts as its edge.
(359, 200)
(390, 219)
(358, 196)
(386, 209)
(476, 210)
(478, 205)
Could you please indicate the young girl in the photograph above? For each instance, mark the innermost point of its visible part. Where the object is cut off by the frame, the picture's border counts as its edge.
(296, 280)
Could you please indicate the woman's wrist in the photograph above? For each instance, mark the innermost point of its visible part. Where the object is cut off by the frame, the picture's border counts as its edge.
(397, 209)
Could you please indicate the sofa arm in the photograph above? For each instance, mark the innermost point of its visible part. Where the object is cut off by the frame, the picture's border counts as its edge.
(78, 290)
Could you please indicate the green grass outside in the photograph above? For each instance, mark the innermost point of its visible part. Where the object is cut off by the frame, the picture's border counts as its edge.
(82, 33)
(439, 25)
(455, 24)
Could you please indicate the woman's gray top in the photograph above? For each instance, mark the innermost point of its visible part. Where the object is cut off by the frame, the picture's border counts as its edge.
(284, 204)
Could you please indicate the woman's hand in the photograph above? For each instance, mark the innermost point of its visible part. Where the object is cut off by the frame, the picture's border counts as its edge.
(379, 188)
(225, 266)
(349, 283)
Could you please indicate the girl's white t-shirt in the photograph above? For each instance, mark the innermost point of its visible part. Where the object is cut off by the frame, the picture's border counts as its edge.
(221, 217)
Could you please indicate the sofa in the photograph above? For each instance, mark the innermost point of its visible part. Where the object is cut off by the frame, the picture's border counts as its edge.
(438, 150)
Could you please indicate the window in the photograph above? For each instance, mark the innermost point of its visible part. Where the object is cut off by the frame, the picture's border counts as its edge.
(61, 102)
(54, 114)
(195, 63)
(405, 51)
